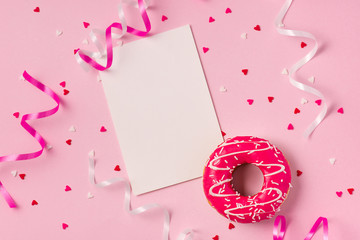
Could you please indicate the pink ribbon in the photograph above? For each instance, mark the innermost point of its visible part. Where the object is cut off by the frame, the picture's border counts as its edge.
(109, 44)
(281, 219)
(32, 131)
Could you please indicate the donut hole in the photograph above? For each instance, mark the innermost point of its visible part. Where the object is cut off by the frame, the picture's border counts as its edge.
(247, 179)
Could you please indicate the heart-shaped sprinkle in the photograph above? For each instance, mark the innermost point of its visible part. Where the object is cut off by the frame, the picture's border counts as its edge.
(350, 190)
(37, 9)
(164, 18)
(303, 44)
(103, 129)
(72, 129)
(86, 24)
(211, 19)
(59, 33)
(304, 101)
(332, 161)
(89, 195)
(222, 89)
(117, 168)
(65, 226)
(228, 10)
(63, 84)
(298, 173)
(339, 194)
(250, 101)
(243, 35)
(340, 110)
(205, 49)
(311, 79)
(271, 99)
(216, 237)
(257, 28)
(296, 111)
(16, 114)
(14, 173)
(76, 50)
(91, 153)
(223, 133)
(67, 188)
(22, 176)
(290, 127)
(69, 141)
(284, 72)
(66, 92)
(245, 71)
(318, 102)
(231, 226)
(34, 202)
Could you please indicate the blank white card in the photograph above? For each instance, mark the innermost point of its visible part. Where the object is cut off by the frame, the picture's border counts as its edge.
(162, 110)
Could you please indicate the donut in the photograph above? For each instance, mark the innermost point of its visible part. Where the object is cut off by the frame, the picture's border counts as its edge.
(217, 179)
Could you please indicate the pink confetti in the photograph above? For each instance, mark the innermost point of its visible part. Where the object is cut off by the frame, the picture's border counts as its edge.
(318, 102)
(211, 19)
(257, 28)
(22, 176)
(290, 127)
(69, 141)
(250, 101)
(339, 194)
(67, 188)
(231, 226)
(303, 44)
(245, 71)
(65, 226)
(340, 110)
(34, 202)
(63, 84)
(296, 111)
(350, 190)
(37, 9)
(117, 168)
(164, 18)
(271, 99)
(16, 114)
(228, 10)
(66, 92)
(103, 129)
(205, 49)
(86, 24)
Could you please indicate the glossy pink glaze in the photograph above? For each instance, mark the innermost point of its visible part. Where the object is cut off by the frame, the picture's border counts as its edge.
(217, 179)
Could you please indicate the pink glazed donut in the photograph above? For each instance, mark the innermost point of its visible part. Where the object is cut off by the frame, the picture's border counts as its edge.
(217, 179)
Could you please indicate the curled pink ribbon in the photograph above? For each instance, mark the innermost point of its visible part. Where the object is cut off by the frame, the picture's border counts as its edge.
(108, 37)
(32, 131)
(281, 219)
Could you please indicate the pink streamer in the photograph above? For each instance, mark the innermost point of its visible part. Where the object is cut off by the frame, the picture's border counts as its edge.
(109, 44)
(281, 219)
(32, 131)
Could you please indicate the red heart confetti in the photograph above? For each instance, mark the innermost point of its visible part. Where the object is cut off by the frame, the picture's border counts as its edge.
(211, 19)
(250, 101)
(303, 44)
(231, 226)
(34, 202)
(216, 237)
(318, 102)
(245, 71)
(350, 190)
(271, 99)
(69, 141)
(86, 24)
(117, 168)
(164, 18)
(22, 176)
(257, 28)
(340, 110)
(296, 111)
(76, 50)
(290, 127)
(103, 129)
(66, 92)
(37, 9)
(16, 114)
(205, 49)
(63, 84)
(228, 10)
(298, 173)
(65, 226)
(67, 188)
(223, 133)
(339, 194)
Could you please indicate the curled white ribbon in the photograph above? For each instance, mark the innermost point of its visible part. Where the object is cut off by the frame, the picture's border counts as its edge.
(296, 33)
(186, 234)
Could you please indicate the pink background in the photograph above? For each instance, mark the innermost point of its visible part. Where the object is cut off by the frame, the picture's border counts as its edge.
(28, 42)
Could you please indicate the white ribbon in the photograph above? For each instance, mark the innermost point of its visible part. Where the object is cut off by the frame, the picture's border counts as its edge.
(300, 63)
(127, 202)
